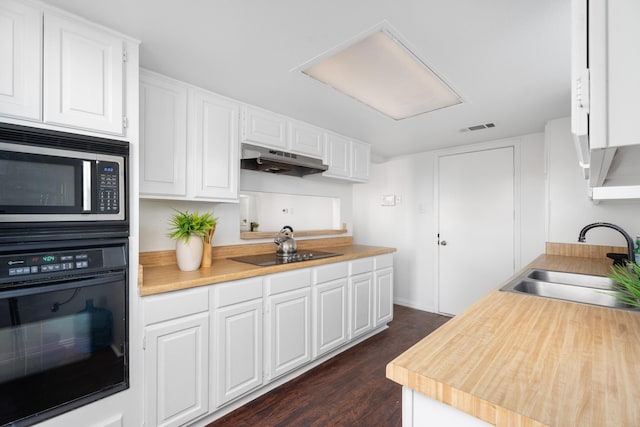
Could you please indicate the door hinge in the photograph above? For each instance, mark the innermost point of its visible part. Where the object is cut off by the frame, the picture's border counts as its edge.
(124, 55)
(125, 121)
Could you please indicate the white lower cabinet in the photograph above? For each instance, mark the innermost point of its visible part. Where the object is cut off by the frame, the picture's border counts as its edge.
(176, 357)
(360, 296)
(419, 410)
(208, 347)
(288, 321)
(330, 307)
(236, 346)
(383, 282)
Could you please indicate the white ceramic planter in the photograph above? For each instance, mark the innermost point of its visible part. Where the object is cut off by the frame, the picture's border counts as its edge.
(189, 253)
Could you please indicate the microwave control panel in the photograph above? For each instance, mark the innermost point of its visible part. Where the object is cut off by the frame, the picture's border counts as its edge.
(108, 187)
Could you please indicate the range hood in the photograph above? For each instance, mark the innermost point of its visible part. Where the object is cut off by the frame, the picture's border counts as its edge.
(279, 162)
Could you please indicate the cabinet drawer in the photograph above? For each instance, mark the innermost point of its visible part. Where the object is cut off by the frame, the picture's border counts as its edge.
(360, 266)
(289, 281)
(159, 308)
(330, 272)
(237, 291)
(383, 261)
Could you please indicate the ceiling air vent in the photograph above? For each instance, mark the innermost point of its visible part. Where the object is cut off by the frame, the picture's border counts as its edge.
(478, 127)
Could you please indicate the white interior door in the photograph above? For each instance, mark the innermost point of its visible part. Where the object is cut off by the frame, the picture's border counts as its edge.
(476, 225)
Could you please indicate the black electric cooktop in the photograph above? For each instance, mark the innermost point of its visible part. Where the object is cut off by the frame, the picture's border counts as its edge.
(265, 260)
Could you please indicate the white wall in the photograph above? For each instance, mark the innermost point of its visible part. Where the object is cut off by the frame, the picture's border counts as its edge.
(155, 214)
(410, 227)
(569, 207)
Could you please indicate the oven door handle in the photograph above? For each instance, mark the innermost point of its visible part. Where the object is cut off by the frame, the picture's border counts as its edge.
(62, 285)
(86, 186)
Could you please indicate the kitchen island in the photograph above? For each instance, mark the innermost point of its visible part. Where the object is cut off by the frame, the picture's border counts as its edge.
(520, 360)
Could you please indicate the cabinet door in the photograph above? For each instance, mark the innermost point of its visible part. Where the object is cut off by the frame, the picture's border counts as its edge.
(83, 76)
(20, 60)
(330, 316)
(238, 350)
(163, 136)
(288, 331)
(383, 296)
(176, 370)
(361, 301)
(264, 128)
(214, 146)
(306, 139)
(360, 160)
(623, 56)
(337, 156)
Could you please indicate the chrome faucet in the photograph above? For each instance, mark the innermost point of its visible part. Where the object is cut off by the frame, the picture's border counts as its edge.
(630, 243)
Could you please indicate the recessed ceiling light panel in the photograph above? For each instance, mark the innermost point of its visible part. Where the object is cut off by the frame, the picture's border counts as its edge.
(384, 74)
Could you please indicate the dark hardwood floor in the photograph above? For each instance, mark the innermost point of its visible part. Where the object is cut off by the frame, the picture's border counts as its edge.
(349, 390)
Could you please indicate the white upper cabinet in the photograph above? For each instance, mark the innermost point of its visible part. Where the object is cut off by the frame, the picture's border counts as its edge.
(338, 156)
(347, 159)
(613, 61)
(360, 160)
(605, 87)
(163, 136)
(83, 76)
(188, 142)
(266, 129)
(306, 139)
(71, 74)
(20, 60)
(213, 136)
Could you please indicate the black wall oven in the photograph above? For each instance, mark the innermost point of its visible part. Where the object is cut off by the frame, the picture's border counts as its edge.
(63, 328)
(64, 274)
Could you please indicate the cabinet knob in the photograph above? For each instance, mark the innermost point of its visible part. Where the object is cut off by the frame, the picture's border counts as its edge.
(443, 242)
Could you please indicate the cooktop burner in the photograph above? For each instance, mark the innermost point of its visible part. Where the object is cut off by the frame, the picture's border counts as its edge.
(273, 259)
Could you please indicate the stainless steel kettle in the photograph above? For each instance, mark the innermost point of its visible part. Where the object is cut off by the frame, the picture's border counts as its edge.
(285, 242)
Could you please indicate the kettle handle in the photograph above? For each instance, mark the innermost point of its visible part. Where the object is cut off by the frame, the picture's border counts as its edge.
(287, 227)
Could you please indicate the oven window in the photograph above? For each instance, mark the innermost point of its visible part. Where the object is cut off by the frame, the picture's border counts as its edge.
(60, 349)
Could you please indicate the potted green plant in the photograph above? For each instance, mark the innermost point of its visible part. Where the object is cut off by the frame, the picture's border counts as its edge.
(189, 231)
(628, 279)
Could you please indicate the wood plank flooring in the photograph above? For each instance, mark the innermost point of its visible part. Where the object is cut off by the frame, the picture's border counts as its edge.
(349, 390)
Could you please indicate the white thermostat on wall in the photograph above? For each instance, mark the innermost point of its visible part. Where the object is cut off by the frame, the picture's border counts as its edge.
(388, 200)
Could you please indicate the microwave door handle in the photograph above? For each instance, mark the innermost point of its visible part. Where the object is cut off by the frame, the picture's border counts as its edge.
(86, 186)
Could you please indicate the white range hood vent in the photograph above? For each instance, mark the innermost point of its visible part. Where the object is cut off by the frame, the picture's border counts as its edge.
(279, 162)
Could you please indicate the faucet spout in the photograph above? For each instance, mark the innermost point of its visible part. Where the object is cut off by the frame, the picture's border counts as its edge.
(630, 243)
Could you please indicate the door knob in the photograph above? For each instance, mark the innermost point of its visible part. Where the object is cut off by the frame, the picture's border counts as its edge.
(443, 243)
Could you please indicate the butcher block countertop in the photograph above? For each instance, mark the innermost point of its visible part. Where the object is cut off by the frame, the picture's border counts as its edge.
(158, 272)
(519, 360)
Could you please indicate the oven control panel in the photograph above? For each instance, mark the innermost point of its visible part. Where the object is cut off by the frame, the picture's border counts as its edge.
(49, 262)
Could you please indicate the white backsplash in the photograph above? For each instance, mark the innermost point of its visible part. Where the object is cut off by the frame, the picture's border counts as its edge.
(155, 214)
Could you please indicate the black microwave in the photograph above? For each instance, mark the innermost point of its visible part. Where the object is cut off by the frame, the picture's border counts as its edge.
(52, 177)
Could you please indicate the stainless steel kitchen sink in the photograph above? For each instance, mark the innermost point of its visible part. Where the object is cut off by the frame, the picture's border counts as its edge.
(582, 288)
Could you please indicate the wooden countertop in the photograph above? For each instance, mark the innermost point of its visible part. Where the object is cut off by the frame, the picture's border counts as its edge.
(156, 279)
(518, 360)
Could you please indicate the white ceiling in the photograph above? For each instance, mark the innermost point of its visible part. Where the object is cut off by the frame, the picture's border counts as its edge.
(509, 59)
